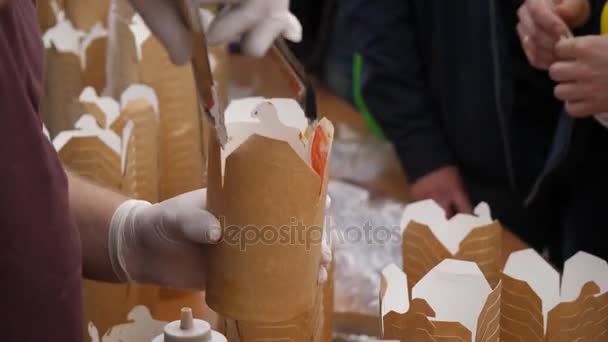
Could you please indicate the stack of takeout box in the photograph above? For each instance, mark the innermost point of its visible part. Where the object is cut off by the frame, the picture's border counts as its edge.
(121, 114)
(453, 288)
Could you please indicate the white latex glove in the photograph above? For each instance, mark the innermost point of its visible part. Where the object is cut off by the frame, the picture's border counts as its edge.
(164, 243)
(257, 22)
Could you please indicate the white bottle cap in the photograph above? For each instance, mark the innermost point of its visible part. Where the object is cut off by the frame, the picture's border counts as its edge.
(188, 329)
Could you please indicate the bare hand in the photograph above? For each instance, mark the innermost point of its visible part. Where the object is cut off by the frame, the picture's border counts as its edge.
(445, 187)
(543, 23)
(582, 74)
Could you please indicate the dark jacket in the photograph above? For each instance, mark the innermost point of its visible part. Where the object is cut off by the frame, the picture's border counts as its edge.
(437, 76)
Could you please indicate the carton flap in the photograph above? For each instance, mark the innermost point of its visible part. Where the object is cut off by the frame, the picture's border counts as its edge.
(264, 120)
(456, 290)
(96, 32)
(528, 266)
(137, 92)
(240, 111)
(581, 269)
(394, 294)
(64, 37)
(109, 108)
(87, 127)
(141, 33)
(126, 138)
(449, 232)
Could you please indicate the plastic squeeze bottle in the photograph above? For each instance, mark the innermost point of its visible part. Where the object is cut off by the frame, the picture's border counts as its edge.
(188, 329)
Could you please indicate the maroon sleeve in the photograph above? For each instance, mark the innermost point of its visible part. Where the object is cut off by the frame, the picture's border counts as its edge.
(40, 258)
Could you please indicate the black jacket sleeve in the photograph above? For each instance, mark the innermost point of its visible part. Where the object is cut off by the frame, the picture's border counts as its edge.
(394, 82)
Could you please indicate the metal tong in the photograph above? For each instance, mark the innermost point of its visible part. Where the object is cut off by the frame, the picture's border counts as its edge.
(202, 69)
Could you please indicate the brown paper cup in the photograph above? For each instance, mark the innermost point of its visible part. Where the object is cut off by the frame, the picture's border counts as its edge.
(140, 179)
(46, 16)
(89, 157)
(267, 189)
(180, 145)
(422, 251)
(315, 325)
(95, 70)
(84, 14)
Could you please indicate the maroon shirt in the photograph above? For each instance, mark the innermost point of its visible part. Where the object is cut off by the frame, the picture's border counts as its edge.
(40, 258)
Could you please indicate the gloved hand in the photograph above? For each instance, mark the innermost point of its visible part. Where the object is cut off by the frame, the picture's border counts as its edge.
(257, 22)
(164, 243)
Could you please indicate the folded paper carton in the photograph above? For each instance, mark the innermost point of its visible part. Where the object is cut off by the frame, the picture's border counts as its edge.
(138, 123)
(538, 305)
(64, 80)
(94, 49)
(91, 152)
(75, 59)
(181, 147)
(314, 325)
(86, 13)
(453, 302)
(115, 146)
(428, 237)
(268, 187)
(48, 13)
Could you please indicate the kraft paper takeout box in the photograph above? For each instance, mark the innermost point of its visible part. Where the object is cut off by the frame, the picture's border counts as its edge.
(539, 305)
(265, 183)
(91, 152)
(86, 13)
(138, 123)
(128, 151)
(453, 302)
(64, 79)
(75, 59)
(94, 49)
(315, 325)
(428, 237)
(181, 147)
(48, 13)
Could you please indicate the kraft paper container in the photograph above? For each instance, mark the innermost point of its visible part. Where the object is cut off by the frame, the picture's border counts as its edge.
(138, 124)
(91, 152)
(306, 327)
(428, 238)
(86, 13)
(180, 152)
(539, 305)
(104, 109)
(453, 302)
(46, 15)
(64, 79)
(95, 48)
(267, 182)
(315, 325)
(122, 50)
